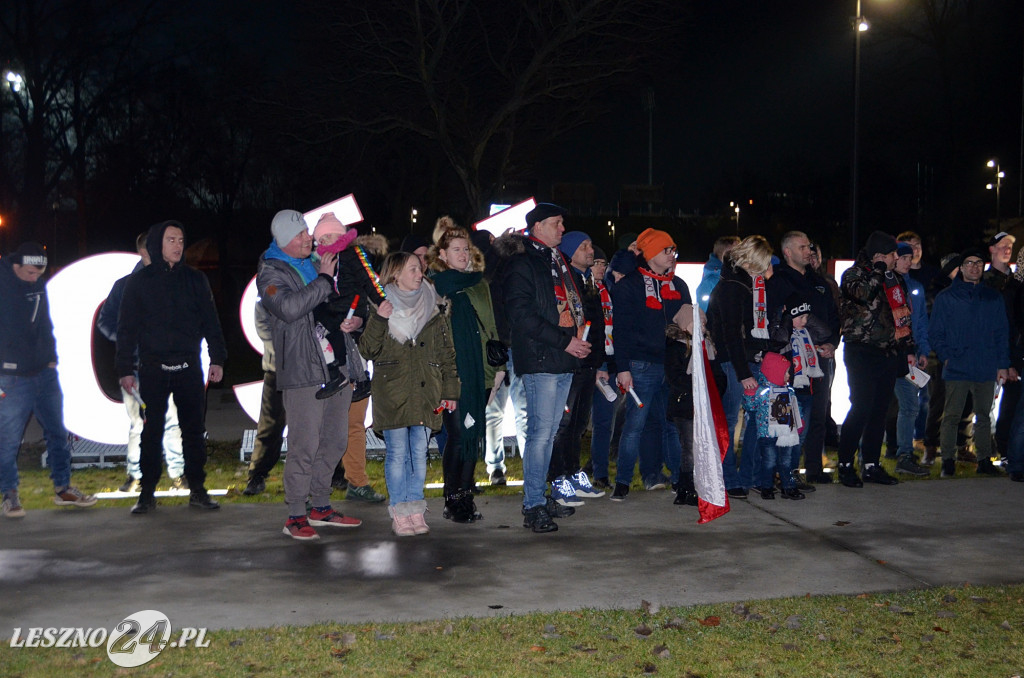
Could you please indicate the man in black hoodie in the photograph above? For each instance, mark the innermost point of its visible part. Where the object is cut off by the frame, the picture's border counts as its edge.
(28, 378)
(166, 312)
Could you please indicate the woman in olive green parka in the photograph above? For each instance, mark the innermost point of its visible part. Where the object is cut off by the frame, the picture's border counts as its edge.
(409, 340)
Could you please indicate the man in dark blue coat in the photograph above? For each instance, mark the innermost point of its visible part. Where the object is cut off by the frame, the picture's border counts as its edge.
(28, 378)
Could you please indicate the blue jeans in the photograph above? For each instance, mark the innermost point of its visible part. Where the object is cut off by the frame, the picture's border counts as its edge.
(545, 402)
(405, 463)
(777, 459)
(40, 395)
(603, 420)
(909, 398)
(731, 403)
(645, 422)
(805, 401)
(921, 423)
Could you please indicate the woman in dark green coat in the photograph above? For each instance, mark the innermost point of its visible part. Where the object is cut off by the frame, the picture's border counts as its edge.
(456, 268)
(410, 343)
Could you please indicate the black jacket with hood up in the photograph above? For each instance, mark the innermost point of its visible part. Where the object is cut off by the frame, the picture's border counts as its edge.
(166, 312)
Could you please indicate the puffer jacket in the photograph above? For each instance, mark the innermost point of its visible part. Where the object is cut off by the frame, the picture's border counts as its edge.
(969, 332)
(298, 358)
(865, 312)
(410, 379)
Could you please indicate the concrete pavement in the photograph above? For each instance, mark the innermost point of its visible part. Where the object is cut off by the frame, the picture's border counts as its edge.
(233, 568)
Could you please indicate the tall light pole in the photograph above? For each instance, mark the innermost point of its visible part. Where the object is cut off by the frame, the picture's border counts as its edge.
(649, 107)
(997, 186)
(736, 209)
(860, 25)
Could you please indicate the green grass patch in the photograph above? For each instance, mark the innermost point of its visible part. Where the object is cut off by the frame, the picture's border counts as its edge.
(932, 632)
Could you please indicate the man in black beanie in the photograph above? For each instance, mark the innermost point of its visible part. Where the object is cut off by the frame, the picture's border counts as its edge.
(872, 314)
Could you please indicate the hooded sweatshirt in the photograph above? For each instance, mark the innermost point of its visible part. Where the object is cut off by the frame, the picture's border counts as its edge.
(166, 312)
(27, 345)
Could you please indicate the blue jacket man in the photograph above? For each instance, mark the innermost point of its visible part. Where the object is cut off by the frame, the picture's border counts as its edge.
(970, 335)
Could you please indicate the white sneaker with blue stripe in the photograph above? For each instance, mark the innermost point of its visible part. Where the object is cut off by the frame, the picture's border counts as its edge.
(581, 483)
(564, 493)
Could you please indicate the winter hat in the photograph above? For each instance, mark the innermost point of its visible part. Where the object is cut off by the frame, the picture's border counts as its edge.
(30, 254)
(773, 367)
(543, 210)
(623, 262)
(599, 254)
(652, 242)
(286, 225)
(328, 224)
(950, 262)
(974, 252)
(481, 239)
(904, 249)
(412, 243)
(626, 239)
(798, 304)
(571, 242)
(879, 242)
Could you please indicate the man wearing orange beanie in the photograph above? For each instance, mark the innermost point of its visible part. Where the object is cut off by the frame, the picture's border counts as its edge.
(645, 301)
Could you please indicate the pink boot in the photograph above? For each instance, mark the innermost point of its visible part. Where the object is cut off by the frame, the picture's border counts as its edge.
(401, 525)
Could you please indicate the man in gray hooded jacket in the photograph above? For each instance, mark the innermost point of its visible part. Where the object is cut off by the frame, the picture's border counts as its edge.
(290, 287)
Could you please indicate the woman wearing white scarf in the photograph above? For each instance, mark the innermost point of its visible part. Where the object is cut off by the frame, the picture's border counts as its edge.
(414, 379)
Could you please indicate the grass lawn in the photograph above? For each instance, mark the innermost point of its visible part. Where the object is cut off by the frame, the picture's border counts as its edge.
(932, 632)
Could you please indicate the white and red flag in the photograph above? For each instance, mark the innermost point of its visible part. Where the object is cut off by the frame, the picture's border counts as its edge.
(710, 432)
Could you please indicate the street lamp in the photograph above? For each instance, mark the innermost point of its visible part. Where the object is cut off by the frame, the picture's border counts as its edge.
(14, 80)
(994, 164)
(736, 209)
(860, 25)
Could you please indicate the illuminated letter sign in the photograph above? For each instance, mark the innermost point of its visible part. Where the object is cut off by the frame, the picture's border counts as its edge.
(76, 293)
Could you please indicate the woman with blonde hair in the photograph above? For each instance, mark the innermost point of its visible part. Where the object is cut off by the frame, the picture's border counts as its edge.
(414, 380)
(738, 318)
(456, 269)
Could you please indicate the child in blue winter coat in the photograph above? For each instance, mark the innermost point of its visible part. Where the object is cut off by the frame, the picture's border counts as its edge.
(773, 405)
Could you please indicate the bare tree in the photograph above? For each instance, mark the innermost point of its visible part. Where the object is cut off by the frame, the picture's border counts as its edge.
(487, 84)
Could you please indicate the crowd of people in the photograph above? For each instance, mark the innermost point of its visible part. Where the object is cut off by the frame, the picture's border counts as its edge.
(457, 327)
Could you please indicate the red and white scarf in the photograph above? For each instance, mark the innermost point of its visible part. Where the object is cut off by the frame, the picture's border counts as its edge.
(899, 304)
(606, 310)
(656, 293)
(805, 359)
(760, 328)
(567, 297)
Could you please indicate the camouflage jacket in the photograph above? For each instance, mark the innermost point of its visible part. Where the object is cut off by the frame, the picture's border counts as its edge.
(864, 311)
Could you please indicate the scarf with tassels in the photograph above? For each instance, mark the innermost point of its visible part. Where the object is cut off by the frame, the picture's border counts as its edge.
(606, 309)
(658, 288)
(567, 297)
(805, 359)
(760, 328)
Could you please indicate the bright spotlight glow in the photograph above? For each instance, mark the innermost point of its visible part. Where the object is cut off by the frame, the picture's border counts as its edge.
(863, 25)
(346, 209)
(514, 217)
(247, 315)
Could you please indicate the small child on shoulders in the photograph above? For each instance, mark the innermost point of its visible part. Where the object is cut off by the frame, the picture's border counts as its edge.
(774, 407)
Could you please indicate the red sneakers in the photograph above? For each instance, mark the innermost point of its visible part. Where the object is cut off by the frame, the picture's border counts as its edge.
(298, 528)
(332, 518)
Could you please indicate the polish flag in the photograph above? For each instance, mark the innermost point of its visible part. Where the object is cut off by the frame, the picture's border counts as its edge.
(710, 432)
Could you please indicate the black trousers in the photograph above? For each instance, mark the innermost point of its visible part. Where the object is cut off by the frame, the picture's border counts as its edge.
(685, 429)
(183, 381)
(1007, 408)
(459, 473)
(814, 443)
(565, 452)
(871, 374)
(266, 451)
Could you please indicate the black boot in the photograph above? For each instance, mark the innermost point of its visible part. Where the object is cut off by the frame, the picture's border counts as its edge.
(456, 508)
(338, 381)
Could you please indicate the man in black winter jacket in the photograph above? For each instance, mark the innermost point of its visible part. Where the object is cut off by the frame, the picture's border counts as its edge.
(166, 312)
(545, 310)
